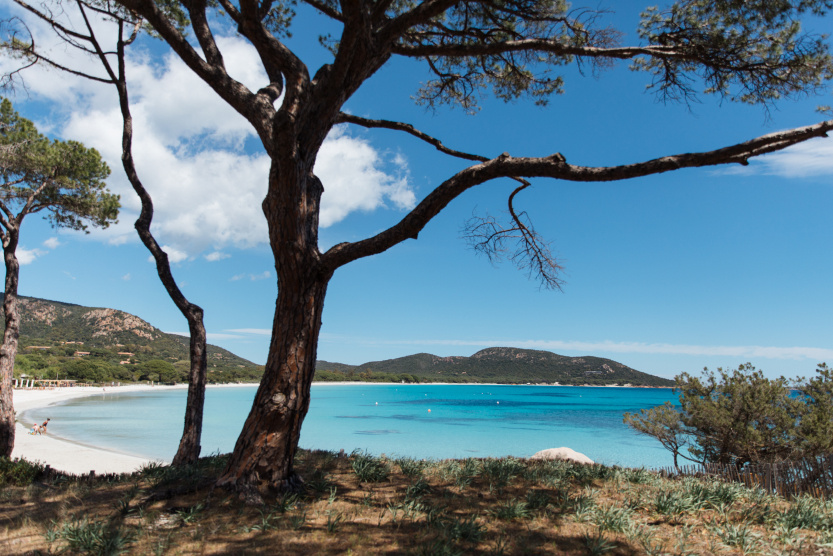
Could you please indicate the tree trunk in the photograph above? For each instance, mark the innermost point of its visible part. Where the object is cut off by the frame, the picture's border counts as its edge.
(8, 350)
(189, 445)
(266, 447)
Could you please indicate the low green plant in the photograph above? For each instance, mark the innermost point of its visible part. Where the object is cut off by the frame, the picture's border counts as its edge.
(614, 519)
(806, 512)
(511, 509)
(598, 544)
(370, 469)
(465, 529)
(537, 499)
(417, 489)
(410, 467)
(739, 536)
(500, 471)
(96, 537)
(334, 520)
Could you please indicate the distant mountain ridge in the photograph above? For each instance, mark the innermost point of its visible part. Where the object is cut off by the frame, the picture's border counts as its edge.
(63, 330)
(503, 365)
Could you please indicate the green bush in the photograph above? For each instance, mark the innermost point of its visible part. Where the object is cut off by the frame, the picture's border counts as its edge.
(740, 416)
(19, 472)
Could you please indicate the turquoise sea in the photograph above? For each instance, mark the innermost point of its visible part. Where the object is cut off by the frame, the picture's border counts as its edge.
(394, 419)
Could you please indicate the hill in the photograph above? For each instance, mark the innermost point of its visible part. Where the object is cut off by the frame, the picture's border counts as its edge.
(93, 344)
(97, 345)
(497, 364)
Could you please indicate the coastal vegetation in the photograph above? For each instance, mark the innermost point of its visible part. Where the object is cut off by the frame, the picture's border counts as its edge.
(64, 182)
(362, 504)
(740, 417)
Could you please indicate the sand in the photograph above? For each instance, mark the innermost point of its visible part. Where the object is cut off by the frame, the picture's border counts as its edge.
(62, 454)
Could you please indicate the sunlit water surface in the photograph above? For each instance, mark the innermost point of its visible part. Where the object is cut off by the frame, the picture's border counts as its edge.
(423, 421)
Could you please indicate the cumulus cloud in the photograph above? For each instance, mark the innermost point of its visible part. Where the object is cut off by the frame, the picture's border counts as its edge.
(174, 254)
(808, 159)
(194, 153)
(354, 179)
(27, 256)
(52, 243)
(215, 256)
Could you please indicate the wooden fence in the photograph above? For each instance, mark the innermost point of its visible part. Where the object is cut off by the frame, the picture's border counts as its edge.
(812, 476)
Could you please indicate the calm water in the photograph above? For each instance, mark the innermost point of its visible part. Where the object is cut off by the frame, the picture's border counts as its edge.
(463, 421)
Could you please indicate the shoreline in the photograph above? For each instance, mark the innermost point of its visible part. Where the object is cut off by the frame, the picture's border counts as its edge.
(78, 458)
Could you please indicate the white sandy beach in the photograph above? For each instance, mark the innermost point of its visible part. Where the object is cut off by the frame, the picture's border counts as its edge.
(64, 455)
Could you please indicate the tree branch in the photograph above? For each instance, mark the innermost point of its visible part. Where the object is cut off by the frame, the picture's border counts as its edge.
(325, 9)
(555, 166)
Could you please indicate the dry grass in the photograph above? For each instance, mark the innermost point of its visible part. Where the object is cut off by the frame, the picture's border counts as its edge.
(364, 505)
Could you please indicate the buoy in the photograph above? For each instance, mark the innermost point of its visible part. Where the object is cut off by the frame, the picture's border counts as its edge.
(429, 411)
(498, 402)
(377, 403)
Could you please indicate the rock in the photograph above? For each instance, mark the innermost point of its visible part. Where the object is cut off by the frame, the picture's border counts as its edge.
(562, 453)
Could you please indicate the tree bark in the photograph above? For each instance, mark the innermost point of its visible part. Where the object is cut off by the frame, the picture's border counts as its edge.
(189, 444)
(8, 350)
(265, 450)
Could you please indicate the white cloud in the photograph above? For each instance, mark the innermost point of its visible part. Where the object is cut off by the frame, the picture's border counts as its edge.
(52, 243)
(808, 159)
(253, 277)
(126, 277)
(354, 180)
(27, 256)
(256, 331)
(811, 158)
(189, 150)
(174, 255)
(216, 256)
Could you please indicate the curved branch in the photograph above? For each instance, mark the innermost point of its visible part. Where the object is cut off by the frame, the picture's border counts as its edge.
(325, 9)
(555, 166)
(411, 130)
(407, 128)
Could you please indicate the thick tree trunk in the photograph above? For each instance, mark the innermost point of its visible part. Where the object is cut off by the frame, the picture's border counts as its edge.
(266, 447)
(9, 347)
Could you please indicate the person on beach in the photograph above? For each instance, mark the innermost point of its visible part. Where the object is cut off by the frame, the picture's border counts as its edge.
(35, 429)
(43, 426)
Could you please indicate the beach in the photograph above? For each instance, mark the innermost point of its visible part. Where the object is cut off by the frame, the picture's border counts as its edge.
(61, 454)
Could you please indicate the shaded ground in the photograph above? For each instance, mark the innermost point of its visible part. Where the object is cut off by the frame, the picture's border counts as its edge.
(366, 505)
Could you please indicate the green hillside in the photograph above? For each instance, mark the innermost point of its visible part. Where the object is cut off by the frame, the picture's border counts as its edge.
(93, 344)
(497, 364)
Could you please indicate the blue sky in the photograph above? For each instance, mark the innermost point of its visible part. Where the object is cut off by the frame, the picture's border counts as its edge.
(670, 273)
